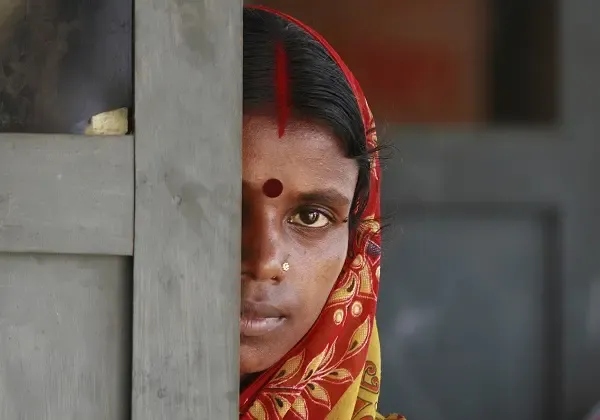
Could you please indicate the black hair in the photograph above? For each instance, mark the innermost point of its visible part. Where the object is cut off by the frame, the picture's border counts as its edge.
(319, 90)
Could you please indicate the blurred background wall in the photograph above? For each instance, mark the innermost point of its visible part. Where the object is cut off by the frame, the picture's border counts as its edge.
(435, 62)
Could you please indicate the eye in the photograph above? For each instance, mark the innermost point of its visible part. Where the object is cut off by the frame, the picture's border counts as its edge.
(311, 218)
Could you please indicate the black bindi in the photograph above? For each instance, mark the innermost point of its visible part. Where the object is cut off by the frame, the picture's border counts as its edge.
(272, 188)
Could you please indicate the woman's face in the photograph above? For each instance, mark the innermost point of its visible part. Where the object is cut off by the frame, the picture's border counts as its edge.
(305, 226)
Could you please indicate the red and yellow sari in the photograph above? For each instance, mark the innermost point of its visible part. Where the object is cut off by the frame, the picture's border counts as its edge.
(334, 371)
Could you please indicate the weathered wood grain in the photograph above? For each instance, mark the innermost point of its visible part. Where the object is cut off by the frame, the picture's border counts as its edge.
(65, 337)
(188, 209)
(66, 194)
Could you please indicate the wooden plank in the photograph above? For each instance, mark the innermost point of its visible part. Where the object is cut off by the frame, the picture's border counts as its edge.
(66, 194)
(65, 337)
(188, 209)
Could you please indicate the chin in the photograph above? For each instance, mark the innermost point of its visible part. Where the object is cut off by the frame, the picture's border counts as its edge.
(253, 359)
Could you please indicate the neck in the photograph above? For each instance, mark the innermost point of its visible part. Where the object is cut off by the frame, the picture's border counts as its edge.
(246, 379)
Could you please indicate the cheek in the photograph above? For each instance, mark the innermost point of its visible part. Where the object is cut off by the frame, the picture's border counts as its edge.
(321, 268)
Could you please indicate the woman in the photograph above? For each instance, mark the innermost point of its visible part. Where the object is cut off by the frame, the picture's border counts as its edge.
(311, 242)
(311, 239)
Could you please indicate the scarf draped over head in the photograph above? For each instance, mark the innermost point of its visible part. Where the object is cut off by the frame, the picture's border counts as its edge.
(334, 371)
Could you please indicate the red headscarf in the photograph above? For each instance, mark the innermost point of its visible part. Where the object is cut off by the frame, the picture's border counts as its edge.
(310, 380)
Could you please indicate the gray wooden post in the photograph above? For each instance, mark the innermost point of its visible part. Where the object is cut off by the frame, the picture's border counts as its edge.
(188, 64)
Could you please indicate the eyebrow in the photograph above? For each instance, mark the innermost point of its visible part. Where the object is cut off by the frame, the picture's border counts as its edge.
(331, 197)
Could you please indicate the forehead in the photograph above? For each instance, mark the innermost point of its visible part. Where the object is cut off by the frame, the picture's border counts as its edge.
(308, 154)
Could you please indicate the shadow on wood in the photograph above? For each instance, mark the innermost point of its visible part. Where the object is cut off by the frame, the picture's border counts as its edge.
(63, 61)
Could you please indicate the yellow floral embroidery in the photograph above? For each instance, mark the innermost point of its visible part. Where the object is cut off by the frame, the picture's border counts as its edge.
(317, 372)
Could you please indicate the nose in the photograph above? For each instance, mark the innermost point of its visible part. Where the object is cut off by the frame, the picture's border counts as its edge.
(262, 246)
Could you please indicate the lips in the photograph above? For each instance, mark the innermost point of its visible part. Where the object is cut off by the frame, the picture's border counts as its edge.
(257, 319)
